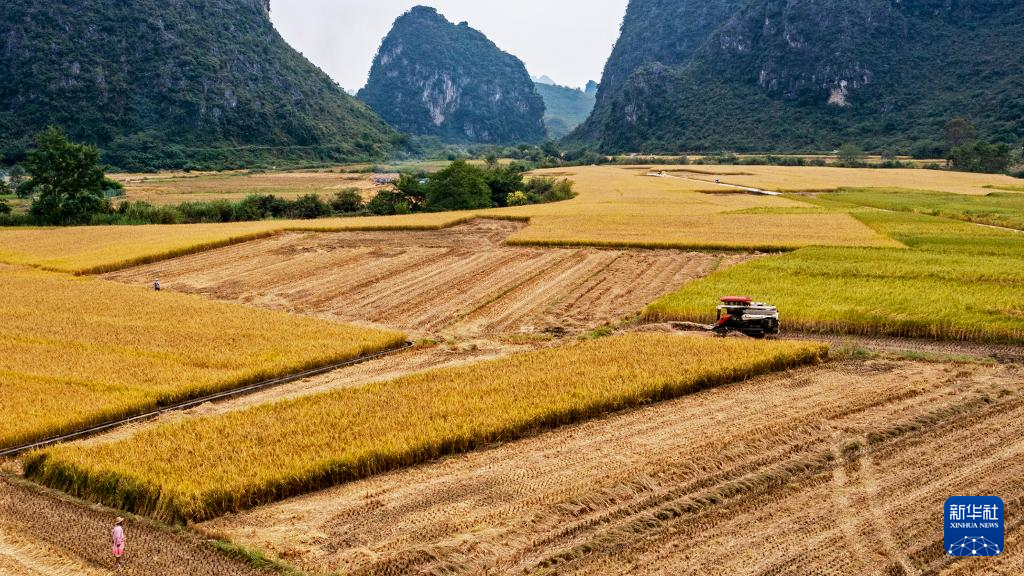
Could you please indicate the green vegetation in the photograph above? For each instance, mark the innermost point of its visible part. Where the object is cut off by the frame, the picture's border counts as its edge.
(565, 108)
(706, 75)
(197, 85)
(463, 186)
(957, 281)
(1004, 209)
(434, 78)
(66, 181)
(980, 157)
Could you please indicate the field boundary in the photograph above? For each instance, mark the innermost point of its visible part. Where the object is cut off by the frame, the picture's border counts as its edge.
(187, 404)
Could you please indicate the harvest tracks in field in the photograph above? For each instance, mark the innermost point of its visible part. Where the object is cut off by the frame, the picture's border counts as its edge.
(461, 281)
(35, 523)
(838, 469)
(188, 404)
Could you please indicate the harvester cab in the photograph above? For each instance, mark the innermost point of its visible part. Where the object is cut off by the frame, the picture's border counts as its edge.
(743, 315)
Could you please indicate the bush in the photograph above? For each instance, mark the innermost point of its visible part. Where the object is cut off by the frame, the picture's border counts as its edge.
(851, 156)
(518, 198)
(347, 201)
(980, 157)
(5, 208)
(389, 204)
(460, 186)
(540, 190)
(308, 207)
(503, 182)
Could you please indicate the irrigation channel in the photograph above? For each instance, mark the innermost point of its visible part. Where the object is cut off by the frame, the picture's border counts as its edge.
(188, 404)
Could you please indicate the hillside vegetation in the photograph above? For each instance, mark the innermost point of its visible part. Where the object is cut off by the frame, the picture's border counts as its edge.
(204, 83)
(566, 108)
(435, 78)
(795, 76)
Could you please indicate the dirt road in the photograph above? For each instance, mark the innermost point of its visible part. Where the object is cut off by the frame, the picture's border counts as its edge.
(456, 282)
(840, 469)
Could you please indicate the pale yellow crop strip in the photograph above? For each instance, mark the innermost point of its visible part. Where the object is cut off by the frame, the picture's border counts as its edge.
(615, 207)
(204, 467)
(81, 351)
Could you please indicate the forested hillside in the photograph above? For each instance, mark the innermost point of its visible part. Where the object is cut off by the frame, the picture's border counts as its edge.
(566, 108)
(435, 78)
(173, 84)
(811, 75)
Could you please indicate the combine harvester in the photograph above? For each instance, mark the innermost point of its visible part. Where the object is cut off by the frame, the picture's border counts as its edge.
(743, 315)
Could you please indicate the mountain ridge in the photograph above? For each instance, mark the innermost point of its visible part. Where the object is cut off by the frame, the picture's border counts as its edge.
(431, 77)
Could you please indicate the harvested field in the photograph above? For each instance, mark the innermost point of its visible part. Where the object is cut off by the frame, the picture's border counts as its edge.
(407, 279)
(35, 524)
(269, 452)
(175, 188)
(838, 469)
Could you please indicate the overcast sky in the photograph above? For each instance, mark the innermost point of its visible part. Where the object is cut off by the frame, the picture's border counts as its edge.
(568, 40)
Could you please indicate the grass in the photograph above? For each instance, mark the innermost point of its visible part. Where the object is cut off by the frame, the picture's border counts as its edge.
(75, 352)
(205, 467)
(1005, 209)
(958, 281)
(616, 207)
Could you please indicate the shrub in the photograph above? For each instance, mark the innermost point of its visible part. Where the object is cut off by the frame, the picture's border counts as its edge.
(347, 201)
(387, 203)
(460, 186)
(5, 208)
(308, 207)
(518, 198)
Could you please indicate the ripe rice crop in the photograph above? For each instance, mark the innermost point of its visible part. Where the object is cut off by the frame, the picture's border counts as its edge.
(615, 207)
(98, 249)
(79, 351)
(1004, 209)
(810, 178)
(269, 452)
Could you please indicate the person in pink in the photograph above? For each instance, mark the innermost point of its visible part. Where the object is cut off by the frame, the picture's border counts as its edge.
(117, 536)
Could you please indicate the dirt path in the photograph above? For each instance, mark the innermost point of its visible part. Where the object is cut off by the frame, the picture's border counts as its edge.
(457, 282)
(774, 475)
(42, 533)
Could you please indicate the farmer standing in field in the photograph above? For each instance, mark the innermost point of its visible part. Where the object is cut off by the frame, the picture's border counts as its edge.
(117, 537)
(156, 285)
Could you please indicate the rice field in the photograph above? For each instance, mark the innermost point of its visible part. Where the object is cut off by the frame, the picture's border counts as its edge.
(175, 188)
(822, 178)
(616, 207)
(205, 467)
(958, 281)
(1004, 209)
(79, 351)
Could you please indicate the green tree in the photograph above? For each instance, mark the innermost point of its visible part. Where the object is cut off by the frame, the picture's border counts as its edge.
(851, 155)
(347, 201)
(5, 208)
(503, 182)
(958, 132)
(66, 180)
(16, 175)
(980, 157)
(460, 186)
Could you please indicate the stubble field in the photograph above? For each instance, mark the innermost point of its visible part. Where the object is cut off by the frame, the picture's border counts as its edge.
(406, 280)
(840, 469)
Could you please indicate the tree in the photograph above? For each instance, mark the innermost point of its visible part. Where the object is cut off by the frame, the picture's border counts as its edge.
(502, 182)
(980, 157)
(347, 201)
(66, 180)
(460, 186)
(851, 155)
(308, 207)
(958, 132)
(16, 175)
(5, 208)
